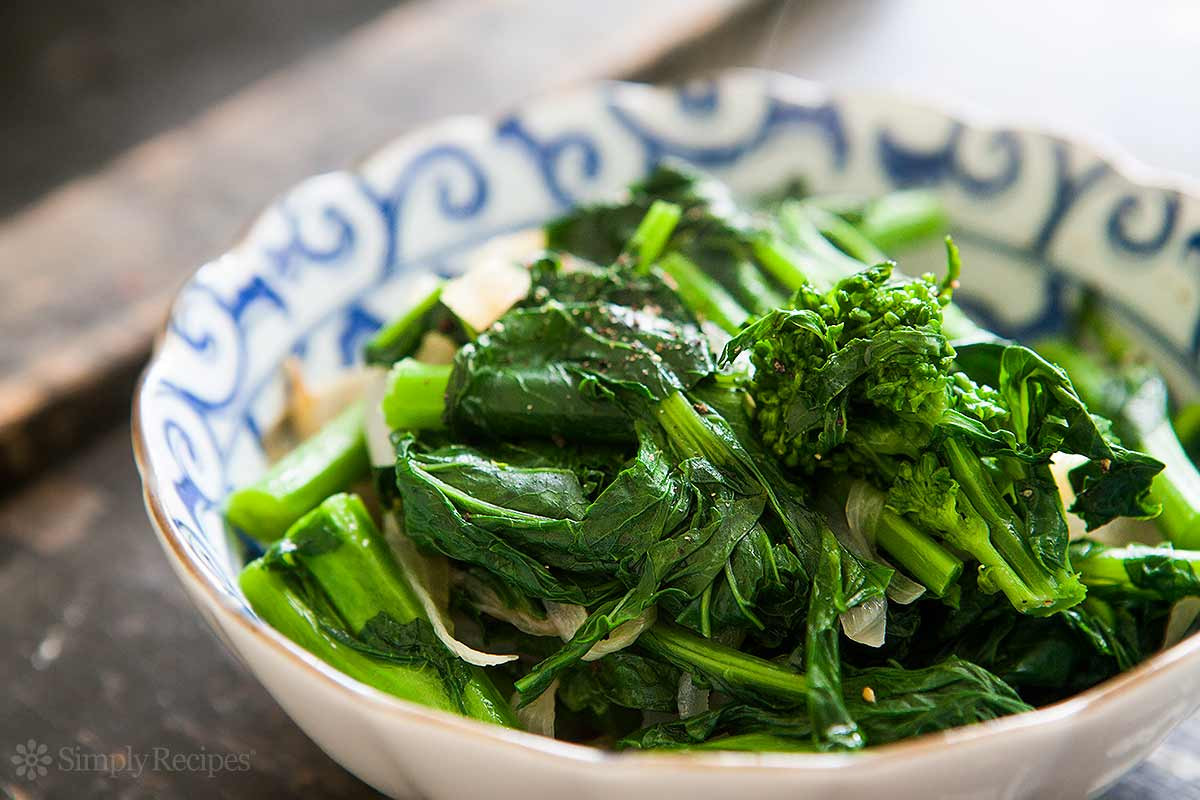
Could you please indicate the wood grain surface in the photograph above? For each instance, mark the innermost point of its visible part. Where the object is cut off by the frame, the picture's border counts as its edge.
(88, 270)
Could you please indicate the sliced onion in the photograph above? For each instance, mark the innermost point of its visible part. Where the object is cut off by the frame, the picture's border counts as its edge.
(1183, 616)
(538, 716)
(306, 410)
(690, 699)
(436, 348)
(623, 635)
(309, 409)
(863, 506)
(901, 588)
(1060, 466)
(419, 570)
(494, 281)
(375, 427)
(485, 599)
(866, 623)
(565, 617)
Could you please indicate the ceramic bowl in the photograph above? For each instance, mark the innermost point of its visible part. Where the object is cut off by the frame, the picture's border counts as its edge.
(1037, 215)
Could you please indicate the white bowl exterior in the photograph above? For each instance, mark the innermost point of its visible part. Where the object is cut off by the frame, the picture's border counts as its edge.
(1035, 215)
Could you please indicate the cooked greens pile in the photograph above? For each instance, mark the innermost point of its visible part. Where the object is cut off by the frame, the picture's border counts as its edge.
(724, 478)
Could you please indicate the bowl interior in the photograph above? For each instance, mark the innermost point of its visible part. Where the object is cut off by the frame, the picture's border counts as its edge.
(1037, 217)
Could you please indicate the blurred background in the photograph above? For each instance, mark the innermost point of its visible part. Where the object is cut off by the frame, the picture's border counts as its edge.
(136, 141)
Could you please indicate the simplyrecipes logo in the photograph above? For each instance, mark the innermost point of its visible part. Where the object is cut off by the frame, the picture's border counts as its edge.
(32, 760)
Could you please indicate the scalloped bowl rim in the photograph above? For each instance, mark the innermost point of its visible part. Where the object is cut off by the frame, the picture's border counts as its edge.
(1157, 667)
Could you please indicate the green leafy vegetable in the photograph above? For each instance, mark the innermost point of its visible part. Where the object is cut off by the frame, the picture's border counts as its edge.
(332, 586)
(666, 480)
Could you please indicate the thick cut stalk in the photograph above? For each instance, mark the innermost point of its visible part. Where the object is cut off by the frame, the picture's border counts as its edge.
(415, 398)
(1050, 591)
(917, 553)
(339, 548)
(352, 563)
(402, 336)
(706, 298)
(329, 462)
(274, 599)
(733, 671)
(652, 233)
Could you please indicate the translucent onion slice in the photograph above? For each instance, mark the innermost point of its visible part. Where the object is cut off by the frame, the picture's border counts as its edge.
(309, 409)
(863, 505)
(565, 617)
(379, 443)
(690, 699)
(418, 572)
(623, 635)
(494, 279)
(538, 716)
(1183, 616)
(436, 348)
(866, 623)
(485, 600)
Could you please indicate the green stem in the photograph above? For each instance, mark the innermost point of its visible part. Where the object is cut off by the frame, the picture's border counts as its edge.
(1050, 591)
(689, 433)
(652, 233)
(339, 548)
(824, 263)
(917, 553)
(754, 743)
(777, 259)
(1176, 488)
(1164, 574)
(706, 298)
(1145, 416)
(328, 462)
(970, 533)
(898, 219)
(273, 598)
(754, 291)
(402, 336)
(730, 670)
(415, 397)
(849, 239)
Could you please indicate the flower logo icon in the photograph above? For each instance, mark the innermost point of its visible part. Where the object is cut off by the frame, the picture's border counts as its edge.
(31, 760)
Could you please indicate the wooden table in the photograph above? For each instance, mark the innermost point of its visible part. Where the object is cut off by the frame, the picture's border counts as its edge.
(105, 657)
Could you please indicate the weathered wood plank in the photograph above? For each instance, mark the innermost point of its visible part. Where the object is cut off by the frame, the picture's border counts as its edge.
(105, 658)
(89, 269)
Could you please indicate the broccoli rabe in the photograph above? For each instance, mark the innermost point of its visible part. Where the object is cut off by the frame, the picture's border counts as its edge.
(730, 467)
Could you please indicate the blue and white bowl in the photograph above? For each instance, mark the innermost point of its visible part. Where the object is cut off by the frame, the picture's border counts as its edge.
(1036, 215)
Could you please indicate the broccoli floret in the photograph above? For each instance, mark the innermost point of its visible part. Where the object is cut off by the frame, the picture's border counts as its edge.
(870, 339)
(860, 381)
(976, 400)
